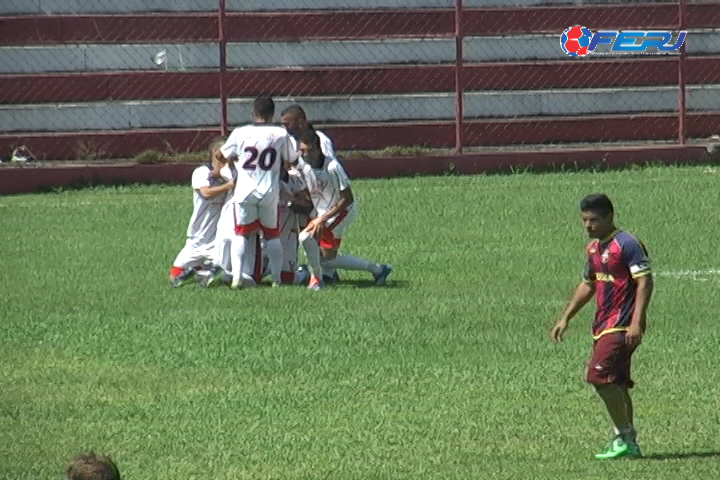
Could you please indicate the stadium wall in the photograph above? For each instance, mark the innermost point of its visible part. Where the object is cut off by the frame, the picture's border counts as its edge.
(75, 76)
(30, 179)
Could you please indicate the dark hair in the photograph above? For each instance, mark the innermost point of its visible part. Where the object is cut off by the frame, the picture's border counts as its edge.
(90, 466)
(597, 202)
(264, 107)
(310, 138)
(296, 111)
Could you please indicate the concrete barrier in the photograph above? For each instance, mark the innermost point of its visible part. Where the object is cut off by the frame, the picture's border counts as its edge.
(32, 179)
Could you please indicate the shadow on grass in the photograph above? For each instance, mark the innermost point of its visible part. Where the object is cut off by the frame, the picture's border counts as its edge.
(368, 283)
(681, 456)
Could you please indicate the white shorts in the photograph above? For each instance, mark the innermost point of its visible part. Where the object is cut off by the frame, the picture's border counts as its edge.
(262, 215)
(195, 254)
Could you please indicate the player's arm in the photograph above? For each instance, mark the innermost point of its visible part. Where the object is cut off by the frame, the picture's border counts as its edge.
(346, 199)
(229, 150)
(302, 203)
(341, 182)
(201, 184)
(583, 294)
(635, 257)
(643, 294)
(212, 192)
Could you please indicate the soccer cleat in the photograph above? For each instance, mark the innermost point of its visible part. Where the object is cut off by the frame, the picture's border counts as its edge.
(315, 283)
(617, 448)
(236, 284)
(634, 450)
(187, 276)
(329, 280)
(214, 278)
(382, 276)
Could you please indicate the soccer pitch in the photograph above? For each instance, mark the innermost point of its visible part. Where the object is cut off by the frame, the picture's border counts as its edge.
(446, 373)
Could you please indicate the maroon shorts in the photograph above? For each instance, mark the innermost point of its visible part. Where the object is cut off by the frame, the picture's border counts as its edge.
(610, 361)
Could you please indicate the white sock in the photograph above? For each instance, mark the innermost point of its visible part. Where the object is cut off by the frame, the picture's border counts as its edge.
(237, 256)
(312, 252)
(626, 433)
(347, 262)
(275, 258)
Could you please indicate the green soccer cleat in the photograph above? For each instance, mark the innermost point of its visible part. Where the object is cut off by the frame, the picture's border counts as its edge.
(634, 450)
(617, 448)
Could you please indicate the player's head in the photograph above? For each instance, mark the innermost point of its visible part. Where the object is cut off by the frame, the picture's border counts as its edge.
(217, 161)
(294, 120)
(263, 109)
(597, 214)
(309, 145)
(90, 466)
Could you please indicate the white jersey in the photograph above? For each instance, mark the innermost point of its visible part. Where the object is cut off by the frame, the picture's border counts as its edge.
(206, 212)
(326, 183)
(260, 150)
(294, 184)
(226, 223)
(326, 144)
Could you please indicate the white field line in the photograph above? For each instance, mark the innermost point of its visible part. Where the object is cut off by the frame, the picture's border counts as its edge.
(696, 275)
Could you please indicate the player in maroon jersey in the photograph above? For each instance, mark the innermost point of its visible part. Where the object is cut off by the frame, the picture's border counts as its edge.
(618, 274)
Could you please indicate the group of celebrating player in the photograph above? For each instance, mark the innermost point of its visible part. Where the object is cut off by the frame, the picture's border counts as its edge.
(267, 189)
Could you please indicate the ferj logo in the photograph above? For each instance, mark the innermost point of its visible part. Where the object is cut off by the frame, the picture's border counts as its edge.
(579, 41)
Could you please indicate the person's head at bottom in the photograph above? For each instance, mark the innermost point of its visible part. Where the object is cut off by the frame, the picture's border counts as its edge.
(90, 466)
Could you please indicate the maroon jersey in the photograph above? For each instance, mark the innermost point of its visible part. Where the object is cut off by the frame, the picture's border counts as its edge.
(612, 266)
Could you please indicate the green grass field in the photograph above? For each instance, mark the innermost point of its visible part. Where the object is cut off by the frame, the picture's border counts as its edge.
(446, 373)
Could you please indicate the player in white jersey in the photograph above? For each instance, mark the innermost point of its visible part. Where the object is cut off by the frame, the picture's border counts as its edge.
(295, 206)
(329, 188)
(209, 192)
(295, 121)
(261, 149)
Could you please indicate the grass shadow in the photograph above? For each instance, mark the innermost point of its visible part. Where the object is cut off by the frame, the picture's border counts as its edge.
(681, 456)
(368, 283)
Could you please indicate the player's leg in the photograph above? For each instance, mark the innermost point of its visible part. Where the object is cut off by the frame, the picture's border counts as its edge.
(608, 371)
(220, 271)
(268, 214)
(183, 268)
(312, 252)
(289, 240)
(330, 242)
(246, 223)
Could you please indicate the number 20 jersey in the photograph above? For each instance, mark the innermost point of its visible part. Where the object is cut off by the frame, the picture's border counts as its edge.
(260, 150)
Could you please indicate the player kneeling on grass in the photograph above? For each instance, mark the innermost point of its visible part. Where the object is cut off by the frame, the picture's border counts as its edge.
(617, 272)
(329, 189)
(210, 190)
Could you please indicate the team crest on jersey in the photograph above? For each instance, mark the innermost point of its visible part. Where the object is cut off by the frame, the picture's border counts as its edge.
(605, 256)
